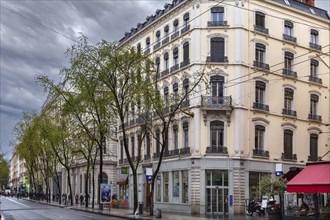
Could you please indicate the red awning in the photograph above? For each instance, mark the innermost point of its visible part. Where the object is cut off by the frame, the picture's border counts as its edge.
(313, 178)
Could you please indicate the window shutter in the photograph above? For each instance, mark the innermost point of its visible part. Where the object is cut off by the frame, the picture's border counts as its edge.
(314, 62)
(261, 85)
(314, 97)
(314, 32)
(288, 55)
(260, 46)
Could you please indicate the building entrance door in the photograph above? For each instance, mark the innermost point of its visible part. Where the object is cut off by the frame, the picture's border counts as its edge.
(215, 200)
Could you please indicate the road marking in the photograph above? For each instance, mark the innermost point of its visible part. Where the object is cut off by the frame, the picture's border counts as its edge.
(18, 203)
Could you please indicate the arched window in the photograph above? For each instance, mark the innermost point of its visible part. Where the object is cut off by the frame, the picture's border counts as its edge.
(104, 178)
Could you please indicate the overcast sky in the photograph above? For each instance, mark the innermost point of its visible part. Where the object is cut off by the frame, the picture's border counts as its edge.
(36, 33)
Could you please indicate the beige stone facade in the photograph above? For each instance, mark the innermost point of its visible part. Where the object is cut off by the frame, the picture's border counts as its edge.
(266, 101)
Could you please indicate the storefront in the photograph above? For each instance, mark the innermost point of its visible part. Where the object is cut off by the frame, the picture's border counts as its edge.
(308, 193)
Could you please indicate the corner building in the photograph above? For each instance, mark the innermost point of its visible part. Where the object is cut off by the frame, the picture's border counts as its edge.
(266, 102)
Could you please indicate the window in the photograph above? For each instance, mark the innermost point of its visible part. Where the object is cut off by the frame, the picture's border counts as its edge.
(166, 186)
(217, 129)
(166, 63)
(148, 43)
(288, 139)
(259, 137)
(175, 56)
(185, 186)
(166, 97)
(175, 137)
(185, 23)
(313, 145)
(314, 68)
(314, 36)
(176, 184)
(138, 48)
(217, 16)
(158, 141)
(260, 92)
(148, 144)
(175, 29)
(185, 103)
(217, 88)
(157, 36)
(314, 99)
(218, 50)
(166, 31)
(288, 61)
(175, 93)
(157, 61)
(260, 19)
(288, 98)
(158, 188)
(133, 147)
(288, 28)
(121, 149)
(260, 53)
(185, 54)
(185, 127)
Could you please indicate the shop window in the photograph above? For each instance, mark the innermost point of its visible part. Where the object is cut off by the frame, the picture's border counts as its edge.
(185, 186)
(176, 184)
(166, 187)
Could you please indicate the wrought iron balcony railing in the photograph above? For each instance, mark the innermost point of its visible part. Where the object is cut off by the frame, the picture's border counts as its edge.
(289, 73)
(185, 150)
(184, 63)
(215, 59)
(261, 65)
(313, 158)
(147, 157)
(261, 29)
(164, 73)
(261, 106)
(289, 112)
(260, 153)
(174, 68)
(166, 40)
(216, 23)
(157, 45)
(315, 79)
(217, 149)
(315, 46)
(286, 156)
(175, 35)
(289, 38)
(216, 102)
(147, 51)
(314, 117)
(185, 29)
(174, 152)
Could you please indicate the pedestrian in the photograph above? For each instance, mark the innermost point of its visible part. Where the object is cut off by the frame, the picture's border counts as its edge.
(81, 199)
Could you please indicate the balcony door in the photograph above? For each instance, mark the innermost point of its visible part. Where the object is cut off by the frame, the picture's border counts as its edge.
(217, 84)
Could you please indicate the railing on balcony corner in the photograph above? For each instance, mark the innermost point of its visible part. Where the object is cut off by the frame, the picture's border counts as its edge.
(315, 79)
(261, 65)
(185, 63)
(166, 40)
(216, 23)
(314, 117)
(174, 68)
(289, 38)
(215, 59)
(174, 152)
(289, 73)
(157, 45)
(217, 149)
(164, 72)
(175, 35)
(313, 158)
(261, 29)
(315, 46)
(216, 102)
(185, 29)
(147, 51)
(289, 112)
(185, 150)
(286, 156)
(261, 106)
(260, 153)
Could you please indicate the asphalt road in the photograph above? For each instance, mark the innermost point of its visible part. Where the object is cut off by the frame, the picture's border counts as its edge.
(13, 209)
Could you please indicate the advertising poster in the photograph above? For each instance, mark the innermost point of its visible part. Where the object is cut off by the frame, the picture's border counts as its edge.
(105, 192)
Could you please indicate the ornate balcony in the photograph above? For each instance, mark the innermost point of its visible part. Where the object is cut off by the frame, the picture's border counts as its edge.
(261, 29)
(286, 156)
(216, 103)
(289, 73)
(185, 150)
(185, 29)
(174, 152)
(315, 79)
(215, 59)
(166, 40)
(261, 106)
(217, 150)
(164, 73)
(216, 23)
(174, 68)
(313, 117)
(260, 153)
(289, 112)
(184, 63)
(157, 45)
(315, 46)
(313, 158)
(289, 38)
(261, 65)
(175, 35)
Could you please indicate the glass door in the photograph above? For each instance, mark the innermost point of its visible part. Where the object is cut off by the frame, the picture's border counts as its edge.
(215, 200)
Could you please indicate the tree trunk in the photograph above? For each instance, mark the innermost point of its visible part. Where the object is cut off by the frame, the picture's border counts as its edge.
(93, 179)
(86, 189)
(69, 184)
(101, 170)
(135, 191)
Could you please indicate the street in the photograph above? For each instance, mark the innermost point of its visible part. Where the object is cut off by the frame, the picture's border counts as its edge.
(13, 209)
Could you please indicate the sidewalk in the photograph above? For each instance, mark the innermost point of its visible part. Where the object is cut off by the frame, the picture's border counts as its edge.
(127, 214)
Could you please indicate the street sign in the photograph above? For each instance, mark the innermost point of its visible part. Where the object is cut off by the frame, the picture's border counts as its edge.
(148, 177)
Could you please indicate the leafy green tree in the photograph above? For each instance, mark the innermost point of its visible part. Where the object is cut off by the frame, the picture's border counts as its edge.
(4, 172)
(271, 186)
